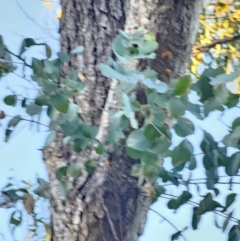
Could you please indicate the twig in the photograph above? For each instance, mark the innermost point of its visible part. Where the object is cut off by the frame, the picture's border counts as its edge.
(205, 48)
(20, 118)
(160, 132)
(19, 57)
(165, 219)
(26, 14)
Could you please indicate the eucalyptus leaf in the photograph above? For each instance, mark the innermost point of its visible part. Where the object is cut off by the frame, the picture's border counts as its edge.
(74, 170)
(60, 102)
(10, 100)
(78, 50)
(136, 140)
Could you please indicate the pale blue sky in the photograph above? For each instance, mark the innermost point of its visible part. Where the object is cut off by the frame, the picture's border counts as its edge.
(21, 153)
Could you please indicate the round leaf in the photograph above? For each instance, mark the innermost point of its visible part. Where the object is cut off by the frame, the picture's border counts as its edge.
(60, 102)
(184, 127)
(74, 170)
(10, 100)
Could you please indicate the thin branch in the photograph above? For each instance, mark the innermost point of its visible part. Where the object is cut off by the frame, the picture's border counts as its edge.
(8, 61)
(165, 219)
(195, 204)
(30, 81)
(205, 48)
(19, 57)
(160, 132)
(26, 14)
(20, 118)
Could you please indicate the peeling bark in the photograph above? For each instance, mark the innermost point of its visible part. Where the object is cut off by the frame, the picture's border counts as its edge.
(104, 206)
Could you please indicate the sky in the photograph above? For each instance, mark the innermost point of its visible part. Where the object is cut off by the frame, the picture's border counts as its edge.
(21, 159)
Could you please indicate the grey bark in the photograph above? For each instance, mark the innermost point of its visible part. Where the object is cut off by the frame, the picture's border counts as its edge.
(105, 206)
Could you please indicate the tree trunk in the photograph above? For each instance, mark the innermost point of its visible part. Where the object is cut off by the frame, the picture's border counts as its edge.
(105, 206)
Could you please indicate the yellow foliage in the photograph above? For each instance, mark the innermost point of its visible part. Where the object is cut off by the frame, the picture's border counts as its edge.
(48, 4)
(219, 20)
(59, 13)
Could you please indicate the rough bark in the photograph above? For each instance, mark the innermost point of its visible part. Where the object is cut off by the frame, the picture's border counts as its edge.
(104, 206)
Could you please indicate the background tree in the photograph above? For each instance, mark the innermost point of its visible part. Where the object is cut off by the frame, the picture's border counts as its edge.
(100, 196)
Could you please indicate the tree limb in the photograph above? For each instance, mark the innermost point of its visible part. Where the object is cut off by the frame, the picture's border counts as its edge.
(205, 48)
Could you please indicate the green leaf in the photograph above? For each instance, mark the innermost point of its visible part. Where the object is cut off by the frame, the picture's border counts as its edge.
(127, 106)
(212, 104)
(195, 218)
(43, 189)
(134, 154)
(184, 127)
(23, 104)
(229, 200)
(48, 51)
(176, 106)
(63, 57)
(150, 74)
(14, 121)
(60, 102)
(148, 47)
(234, 233)
(12, 194)
(65, 188)
(195, 110)
(14, 221)
(138, 141)
(205, 88)
(221, 93)
(210, 160)
(74, 170)
(52, 113)
(70, 127)
(159, 86)
(224, 78)
(8, 133)
(61, 173)
(124, 34)
(233, 164)
(182, 85)
(136, 170)
(161, 147)
(78, 50)
(161, 101)
(176, 235)
(41, 100)
(151, 133)
(26, 43)
(236, 123)
(51, 137)
(192, 163)
(182, 199)
(33, 109)
(207, 204)
(159, 116)
(100, 149)
(90, 166)
(109, 72)
(80, 144)
(73, 84)
(233, 139)
(37, 66)
(210, 72)
(119, 49)
(233, 100)
(207, 143)
(10, 100)
(225, 223)
(180, 155)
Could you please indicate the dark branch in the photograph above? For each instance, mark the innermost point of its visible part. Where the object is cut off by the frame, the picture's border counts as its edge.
(205, 48)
